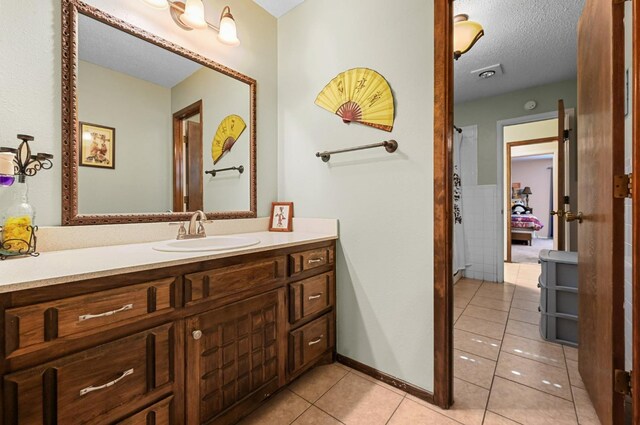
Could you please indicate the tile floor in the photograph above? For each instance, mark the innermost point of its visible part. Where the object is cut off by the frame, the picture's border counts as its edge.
(504, 372)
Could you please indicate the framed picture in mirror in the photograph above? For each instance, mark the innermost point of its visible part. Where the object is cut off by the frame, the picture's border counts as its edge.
(281, 217)
(98, 146)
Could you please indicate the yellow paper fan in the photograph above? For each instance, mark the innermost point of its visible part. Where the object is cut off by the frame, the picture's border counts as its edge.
(228, 133)
(359, 95)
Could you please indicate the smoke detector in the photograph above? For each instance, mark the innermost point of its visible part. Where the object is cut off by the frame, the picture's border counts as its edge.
(488, 72)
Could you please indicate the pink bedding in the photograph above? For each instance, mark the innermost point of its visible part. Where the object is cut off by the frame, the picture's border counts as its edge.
(526, 221)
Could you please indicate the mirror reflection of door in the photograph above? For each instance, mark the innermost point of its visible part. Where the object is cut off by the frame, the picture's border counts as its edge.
(187, 166)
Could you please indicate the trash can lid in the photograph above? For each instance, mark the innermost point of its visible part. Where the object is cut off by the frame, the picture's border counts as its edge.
(559, 256)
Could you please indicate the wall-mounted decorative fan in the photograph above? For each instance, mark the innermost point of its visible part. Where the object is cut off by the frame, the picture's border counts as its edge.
(360, 95)
(228, 133)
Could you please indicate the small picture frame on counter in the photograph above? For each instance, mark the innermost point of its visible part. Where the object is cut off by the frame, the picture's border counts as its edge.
(281, 217)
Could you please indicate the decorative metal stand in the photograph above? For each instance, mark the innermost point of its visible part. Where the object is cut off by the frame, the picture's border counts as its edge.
(8, 247)
(25, 165)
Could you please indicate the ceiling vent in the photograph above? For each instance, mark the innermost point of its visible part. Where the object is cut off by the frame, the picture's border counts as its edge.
(488, 72)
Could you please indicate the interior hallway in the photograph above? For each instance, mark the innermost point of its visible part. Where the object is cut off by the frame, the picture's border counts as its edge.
(504, 372)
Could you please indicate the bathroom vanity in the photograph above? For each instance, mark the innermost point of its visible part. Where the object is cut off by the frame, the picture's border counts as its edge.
(202, 340)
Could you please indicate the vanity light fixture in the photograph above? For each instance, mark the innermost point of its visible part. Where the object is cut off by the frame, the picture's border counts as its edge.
(189, 15)
(465, 34)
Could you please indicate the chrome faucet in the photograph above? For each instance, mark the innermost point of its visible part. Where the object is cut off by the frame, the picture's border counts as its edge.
(196, 227)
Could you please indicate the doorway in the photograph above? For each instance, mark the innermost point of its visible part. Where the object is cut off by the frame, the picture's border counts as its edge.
(604, 126)
(188, 159)
(532, 182)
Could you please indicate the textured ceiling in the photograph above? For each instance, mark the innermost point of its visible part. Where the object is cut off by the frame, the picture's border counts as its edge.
(535, 41)
(278, 7)
(108, 47)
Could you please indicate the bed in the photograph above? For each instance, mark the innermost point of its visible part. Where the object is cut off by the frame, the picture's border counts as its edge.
(523, 226)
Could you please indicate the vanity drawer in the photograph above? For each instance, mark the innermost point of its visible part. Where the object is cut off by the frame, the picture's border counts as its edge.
(311, 296)
(42, 323)
(306, 260)
(309, 342)
(94, 384)
(156, 414)
(219, 283)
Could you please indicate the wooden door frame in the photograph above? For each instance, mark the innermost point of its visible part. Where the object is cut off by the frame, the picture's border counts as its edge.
(507, 190)
(635, 203)
(178, 150)
(443, 204)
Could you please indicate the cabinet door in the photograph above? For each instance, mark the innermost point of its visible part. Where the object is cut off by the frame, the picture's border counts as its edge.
(235, 355)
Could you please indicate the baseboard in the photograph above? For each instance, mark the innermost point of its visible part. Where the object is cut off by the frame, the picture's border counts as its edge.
(387, 379)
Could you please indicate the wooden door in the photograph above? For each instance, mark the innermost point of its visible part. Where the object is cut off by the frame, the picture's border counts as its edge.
(600, 236)
(561, 191)
(195, 198)
(233, 355)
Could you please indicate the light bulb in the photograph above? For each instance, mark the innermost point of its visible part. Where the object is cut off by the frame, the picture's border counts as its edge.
(157, 4)
(193, 15)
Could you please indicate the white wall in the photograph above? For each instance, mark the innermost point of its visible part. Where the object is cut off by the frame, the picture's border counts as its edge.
(536, 174)
(140, 112)
(221, 96)
(384, 202)
(30, 81)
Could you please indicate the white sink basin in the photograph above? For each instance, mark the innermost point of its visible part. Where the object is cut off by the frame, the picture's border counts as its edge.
(212, 243)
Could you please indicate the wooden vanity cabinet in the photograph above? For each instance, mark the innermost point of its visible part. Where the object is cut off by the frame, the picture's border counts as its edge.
(201, 343)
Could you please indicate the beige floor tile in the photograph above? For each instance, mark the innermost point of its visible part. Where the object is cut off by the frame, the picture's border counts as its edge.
(487, 314)
(470, 402)
(523, 329)
(461, 302)
(457, 312)
(525, 316)
(570, 353)
(476, 344)
(469, 282)
(495, 292)
(472, 368)
(491, 418)
(491, 303)
(313, 384)
(354, 400)
(284, 408)
(464, 291)
(528, 406)
(528, 294)
(586, 413)
(413, 413)
(526, 305)
(543, 377)
(481, 327)
(574, 374)
(315, 416)
(378, 382)
(543, 352)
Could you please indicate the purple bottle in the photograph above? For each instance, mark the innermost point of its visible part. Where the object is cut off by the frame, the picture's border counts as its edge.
(7, 176)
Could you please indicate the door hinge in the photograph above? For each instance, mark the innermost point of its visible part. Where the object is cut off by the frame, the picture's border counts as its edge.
(622, 186)
(622, 382)
(566, 135)
(186, 200)
(185, 139)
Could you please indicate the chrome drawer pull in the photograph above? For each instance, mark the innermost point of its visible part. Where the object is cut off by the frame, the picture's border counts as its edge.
(315, 260)
(315, 341)
(88, 390)
(105, 314)
(315, 297)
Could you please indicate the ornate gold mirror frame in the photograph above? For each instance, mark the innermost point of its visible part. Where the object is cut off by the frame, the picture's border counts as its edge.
(70, 148)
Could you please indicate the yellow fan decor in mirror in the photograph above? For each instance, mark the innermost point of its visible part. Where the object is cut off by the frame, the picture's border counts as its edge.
(228, 133)
(360, 95)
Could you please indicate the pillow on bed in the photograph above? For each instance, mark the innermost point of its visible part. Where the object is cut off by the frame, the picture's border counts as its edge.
(518, 209)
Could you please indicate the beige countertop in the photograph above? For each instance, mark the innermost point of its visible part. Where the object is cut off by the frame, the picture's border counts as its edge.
(58, 267)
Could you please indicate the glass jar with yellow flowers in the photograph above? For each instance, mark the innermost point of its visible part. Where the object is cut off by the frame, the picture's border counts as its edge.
(18, 222)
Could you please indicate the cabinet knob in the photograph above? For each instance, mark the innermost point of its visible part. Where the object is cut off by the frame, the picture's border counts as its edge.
(196, 334)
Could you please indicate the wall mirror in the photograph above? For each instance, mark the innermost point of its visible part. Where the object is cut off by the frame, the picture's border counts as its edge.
(151, 131)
